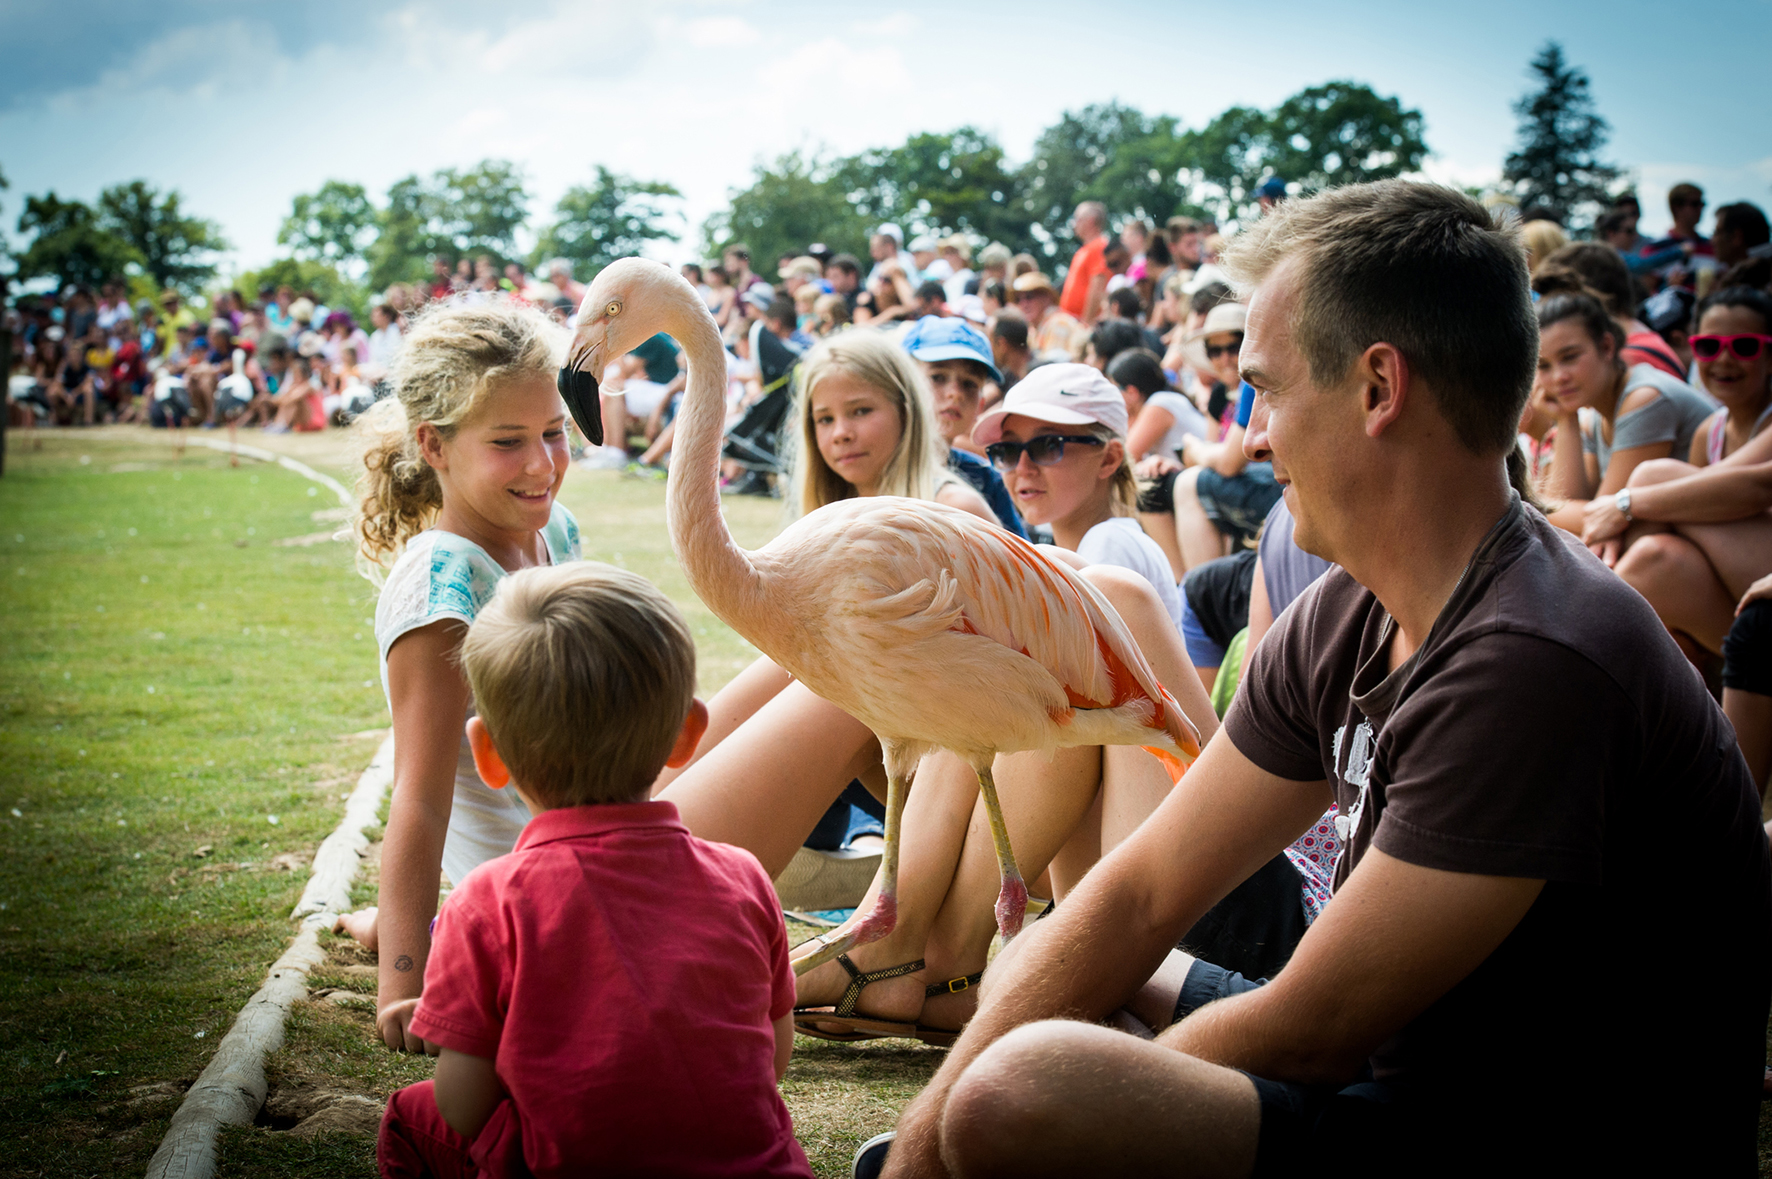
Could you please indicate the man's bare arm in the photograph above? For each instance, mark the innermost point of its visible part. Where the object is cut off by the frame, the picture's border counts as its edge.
(1396, 938)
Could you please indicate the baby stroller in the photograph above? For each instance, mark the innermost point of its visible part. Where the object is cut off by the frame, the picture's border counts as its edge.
(754, 441)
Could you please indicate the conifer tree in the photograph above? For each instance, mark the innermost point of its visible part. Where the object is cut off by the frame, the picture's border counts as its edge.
(1557, 165)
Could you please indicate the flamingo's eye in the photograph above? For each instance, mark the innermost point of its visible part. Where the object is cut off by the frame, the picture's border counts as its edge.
(613, 309)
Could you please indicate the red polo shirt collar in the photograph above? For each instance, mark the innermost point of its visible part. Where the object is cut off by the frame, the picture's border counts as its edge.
(576, 822)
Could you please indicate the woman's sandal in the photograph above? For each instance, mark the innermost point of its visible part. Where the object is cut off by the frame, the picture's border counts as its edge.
(817, 1021)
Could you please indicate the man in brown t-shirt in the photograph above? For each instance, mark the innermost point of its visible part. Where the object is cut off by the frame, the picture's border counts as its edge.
(1545, 817)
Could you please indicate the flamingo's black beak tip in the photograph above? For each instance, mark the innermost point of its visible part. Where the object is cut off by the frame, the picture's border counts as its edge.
(579, 390)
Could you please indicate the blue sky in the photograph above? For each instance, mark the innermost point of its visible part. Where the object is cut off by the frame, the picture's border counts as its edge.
(241, 106)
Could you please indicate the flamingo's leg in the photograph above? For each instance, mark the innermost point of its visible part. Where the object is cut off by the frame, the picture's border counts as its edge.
(1012, 901)
(884, 915)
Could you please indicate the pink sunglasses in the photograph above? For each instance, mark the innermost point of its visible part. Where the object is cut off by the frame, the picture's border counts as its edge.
(1747, 346)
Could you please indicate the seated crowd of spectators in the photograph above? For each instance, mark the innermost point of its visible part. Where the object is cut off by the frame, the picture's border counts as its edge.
(283, 360)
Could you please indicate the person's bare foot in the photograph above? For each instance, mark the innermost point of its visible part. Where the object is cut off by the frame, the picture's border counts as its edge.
(361, 926)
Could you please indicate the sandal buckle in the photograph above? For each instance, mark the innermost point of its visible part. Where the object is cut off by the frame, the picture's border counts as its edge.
(956, 985)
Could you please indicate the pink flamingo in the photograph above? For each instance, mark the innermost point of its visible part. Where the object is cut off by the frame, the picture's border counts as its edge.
(928, 625)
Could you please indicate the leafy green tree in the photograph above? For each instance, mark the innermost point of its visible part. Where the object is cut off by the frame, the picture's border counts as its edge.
(1322, 137)
(69, 244)
(453, 213)
(613, 217)
(1226, 159)
(1557, 165)
(407, 235)
(1143, 175)
(484, 207)
(939, 183)
(790, 204)
(1342, 133)
(334, 289)
(177, 250)
(332, 225)
(1070, 158)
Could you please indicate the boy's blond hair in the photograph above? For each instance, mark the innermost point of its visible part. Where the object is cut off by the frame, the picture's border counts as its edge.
(583, 675)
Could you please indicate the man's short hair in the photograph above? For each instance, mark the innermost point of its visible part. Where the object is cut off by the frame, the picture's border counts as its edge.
(1011, 328)
(738, 250)
(1614, 221)
(1418, 266)
(1681, 194)
(1177, 228)
(1094, 210)
(1125, 300)
(783, 312)
(583, 675)
(1745, 218)
(1111, 337)
(932, 291)
(846, 263)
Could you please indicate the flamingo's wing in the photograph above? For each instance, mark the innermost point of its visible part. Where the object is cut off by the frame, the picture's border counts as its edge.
(979, 579)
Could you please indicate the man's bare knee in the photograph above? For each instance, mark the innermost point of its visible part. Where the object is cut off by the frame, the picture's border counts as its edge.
(1012, 1101)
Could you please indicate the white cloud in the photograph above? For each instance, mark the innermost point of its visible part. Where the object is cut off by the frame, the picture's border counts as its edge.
(719, 32)
(893, 24)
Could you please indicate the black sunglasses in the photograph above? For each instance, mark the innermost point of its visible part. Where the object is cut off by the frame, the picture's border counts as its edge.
(1046, 450)
(1214, 351)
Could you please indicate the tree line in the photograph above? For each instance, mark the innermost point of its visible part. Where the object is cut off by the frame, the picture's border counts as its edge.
(342, 243)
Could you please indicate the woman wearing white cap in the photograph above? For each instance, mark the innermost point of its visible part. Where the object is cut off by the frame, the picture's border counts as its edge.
(1059, 440)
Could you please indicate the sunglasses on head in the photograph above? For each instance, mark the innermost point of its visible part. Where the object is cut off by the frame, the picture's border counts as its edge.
(1746, 346)
(1045, 451)
(1214, 351)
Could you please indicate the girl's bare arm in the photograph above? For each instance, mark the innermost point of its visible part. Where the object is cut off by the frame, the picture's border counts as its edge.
(430, 700)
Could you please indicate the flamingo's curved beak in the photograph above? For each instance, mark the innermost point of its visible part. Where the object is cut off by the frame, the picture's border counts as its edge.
(578, 389)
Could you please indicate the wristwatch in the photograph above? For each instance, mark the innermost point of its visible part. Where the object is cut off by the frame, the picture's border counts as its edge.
(1621, 501)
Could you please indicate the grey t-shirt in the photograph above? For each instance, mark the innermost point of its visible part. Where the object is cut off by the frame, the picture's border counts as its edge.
(1674, 417)
(1286, 569)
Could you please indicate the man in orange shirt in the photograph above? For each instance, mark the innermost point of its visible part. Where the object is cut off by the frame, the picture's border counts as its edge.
(1085, 283)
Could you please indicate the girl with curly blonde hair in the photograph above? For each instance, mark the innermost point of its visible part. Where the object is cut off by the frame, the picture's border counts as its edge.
(461, 469)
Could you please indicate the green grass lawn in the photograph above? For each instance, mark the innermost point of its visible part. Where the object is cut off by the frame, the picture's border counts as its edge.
(184, 705)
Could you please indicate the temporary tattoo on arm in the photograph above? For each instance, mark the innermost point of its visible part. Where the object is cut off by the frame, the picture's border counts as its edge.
(403, 963)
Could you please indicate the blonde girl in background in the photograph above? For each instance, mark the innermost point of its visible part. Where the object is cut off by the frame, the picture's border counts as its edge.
(461, 469)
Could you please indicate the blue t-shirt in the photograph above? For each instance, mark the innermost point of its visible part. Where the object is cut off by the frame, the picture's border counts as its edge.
(988, 483)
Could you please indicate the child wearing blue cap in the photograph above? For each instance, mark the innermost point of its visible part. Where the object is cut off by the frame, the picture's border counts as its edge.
(957, 360)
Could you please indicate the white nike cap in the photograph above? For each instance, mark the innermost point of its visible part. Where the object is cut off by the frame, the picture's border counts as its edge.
(1065, 394)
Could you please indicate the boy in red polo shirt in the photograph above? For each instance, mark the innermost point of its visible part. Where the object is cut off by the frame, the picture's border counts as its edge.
(614, 996)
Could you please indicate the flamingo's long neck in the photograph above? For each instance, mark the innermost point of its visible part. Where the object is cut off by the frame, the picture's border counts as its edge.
(719, 571)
